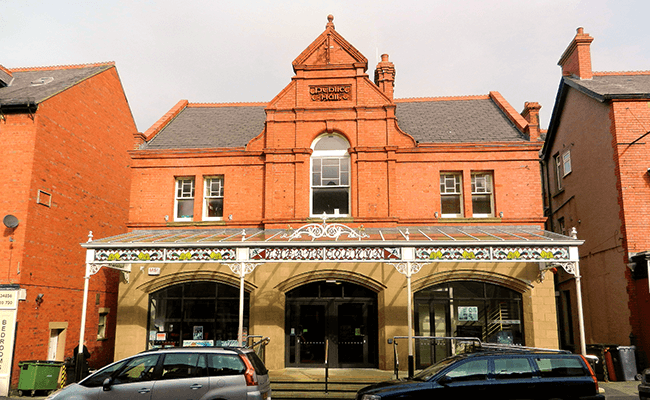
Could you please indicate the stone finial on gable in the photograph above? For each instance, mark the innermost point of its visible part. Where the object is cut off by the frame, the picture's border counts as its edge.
(576, 59)
(330, 24)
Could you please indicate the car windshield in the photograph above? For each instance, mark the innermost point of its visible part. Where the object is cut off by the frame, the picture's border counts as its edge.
(429, 372)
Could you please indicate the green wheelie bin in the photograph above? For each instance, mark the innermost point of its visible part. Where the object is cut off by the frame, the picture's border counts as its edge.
(38, 376)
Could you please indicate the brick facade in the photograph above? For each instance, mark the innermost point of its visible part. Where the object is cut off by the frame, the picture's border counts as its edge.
(66, 173)
(601, 120)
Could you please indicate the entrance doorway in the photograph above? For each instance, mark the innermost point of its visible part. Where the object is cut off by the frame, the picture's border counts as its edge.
(340, 314)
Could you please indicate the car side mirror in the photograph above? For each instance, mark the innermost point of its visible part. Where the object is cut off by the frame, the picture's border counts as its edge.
(444, 380)
(107, 384)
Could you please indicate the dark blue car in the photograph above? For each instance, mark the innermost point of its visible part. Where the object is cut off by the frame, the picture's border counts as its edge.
(498, 375)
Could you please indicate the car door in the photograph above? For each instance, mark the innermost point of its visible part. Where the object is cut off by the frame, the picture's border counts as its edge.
(134, 381)
(183, 376)
(467, 380)
(514, 377)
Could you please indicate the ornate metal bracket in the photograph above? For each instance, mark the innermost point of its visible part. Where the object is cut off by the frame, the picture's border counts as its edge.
(569, 267)
(92, 269)
(247, 268)
(408, 268)
(324, 230)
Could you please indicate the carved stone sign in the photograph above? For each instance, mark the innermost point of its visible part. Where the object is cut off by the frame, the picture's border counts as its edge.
(330, 92)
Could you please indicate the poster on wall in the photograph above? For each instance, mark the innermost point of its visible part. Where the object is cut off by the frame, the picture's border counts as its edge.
(8, 311)
(198, 333)
(467, 314)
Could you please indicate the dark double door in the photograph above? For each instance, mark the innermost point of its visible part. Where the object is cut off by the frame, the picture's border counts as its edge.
(344, 327)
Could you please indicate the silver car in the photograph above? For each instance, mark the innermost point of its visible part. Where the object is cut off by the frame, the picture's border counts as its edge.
(189, 373)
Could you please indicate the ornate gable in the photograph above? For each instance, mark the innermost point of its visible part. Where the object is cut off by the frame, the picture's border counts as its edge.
(330, 50)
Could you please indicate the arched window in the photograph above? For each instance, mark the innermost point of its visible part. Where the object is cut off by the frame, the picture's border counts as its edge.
(330, 176)
(195, 313)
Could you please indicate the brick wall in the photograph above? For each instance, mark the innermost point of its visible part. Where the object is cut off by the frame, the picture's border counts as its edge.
(78, 155)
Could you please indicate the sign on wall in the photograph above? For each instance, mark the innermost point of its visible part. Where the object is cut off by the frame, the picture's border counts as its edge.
(8, 311)
(330, 92)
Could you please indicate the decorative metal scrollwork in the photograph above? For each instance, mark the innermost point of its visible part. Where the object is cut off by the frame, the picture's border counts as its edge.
(324, 230)
(569, 267)
(247, 268)
(408, 268)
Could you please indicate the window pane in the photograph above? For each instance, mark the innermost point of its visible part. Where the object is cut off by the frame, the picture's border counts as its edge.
(559, 367)
(326, 200)
(225, 364)
(512, 368)
(215, 207)
(450, 204)
(185, 208)
(178, 366)
(470, 371)
(482, 204)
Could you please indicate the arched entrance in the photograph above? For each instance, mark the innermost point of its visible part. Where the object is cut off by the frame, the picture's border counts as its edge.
(341, 313)
(489, 312)
(195, 313)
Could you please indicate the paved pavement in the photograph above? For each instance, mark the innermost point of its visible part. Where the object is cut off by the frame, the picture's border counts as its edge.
(613, 390)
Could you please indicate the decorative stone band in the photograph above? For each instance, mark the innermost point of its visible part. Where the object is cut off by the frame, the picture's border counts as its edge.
(492, 253)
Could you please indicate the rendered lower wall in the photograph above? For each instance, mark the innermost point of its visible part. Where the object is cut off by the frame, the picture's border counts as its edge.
(269, 283)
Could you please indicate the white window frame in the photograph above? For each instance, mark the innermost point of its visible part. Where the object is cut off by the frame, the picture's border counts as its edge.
(343, 156)
(566, 163)
(102, 323)
(558, 171)
(183, 194)
(487, 189)
(208, 195)
(456, 190)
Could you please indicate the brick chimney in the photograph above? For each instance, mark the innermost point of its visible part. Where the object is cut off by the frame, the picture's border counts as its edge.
(385, 76)
(576, 60)
(531, 114)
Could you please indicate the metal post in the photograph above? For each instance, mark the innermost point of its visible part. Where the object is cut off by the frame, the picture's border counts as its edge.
(581, 321)
(79, 357)
(240, 332)
(410, 319)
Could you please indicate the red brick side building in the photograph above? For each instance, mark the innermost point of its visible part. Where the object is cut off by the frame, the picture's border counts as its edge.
(596, 177)
(447, 188)
(65, 132)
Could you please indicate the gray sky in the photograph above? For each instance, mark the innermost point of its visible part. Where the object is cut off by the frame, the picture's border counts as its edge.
(241, 51)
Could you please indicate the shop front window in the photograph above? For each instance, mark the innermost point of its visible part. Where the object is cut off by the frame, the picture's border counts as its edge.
(195, 313)
(480, 310)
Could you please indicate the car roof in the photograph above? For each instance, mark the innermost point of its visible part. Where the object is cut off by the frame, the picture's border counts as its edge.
(207, 349)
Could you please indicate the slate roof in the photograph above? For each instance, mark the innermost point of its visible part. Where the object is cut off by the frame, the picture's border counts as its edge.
(25, 89)
(435, 121)
(455, 121)
(606, 87)
(211, 127)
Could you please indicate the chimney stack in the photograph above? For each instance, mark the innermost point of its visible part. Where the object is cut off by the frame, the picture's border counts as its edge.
(531, 114)
(385, 76)
(576, 60)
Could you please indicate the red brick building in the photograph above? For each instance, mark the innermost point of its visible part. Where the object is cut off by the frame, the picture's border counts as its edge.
(65, 132)
(597, 180)
(317, 203)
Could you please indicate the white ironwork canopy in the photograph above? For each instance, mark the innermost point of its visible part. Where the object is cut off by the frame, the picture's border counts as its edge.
(406, 248)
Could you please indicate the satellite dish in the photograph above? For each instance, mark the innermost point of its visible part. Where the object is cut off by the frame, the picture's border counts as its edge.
(10, 221)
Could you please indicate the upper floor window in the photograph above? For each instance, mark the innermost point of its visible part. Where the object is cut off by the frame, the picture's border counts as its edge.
(184, 200)
(482, 195)
(558, 171)
(566, 162)
(451, 199)
(213, 198)
(330, 176)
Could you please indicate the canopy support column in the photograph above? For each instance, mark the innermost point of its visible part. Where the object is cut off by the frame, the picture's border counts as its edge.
(409, 268)
(242, 269)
